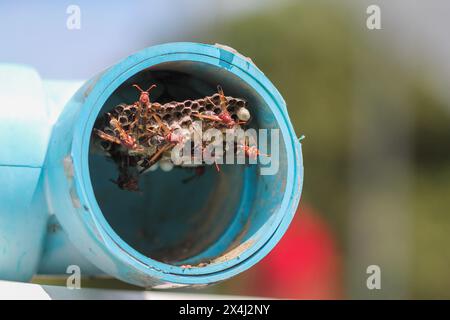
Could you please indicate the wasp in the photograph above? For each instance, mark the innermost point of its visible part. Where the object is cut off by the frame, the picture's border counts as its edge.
(171, 138)
(124, 138)
(144, 98)
(144, 106)
(224, 117)
(252, 152)
(169, 135)
(156, 156)
(126, 179)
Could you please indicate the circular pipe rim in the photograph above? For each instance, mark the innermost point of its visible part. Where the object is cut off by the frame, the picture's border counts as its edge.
(109, 81)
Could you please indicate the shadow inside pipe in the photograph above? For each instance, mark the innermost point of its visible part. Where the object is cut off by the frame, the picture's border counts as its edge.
(201, 220)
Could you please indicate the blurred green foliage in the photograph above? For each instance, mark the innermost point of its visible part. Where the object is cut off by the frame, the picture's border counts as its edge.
(307, 53)
(312, 52)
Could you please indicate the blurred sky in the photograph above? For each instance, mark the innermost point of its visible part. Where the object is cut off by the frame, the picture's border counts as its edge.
(35, 33)
(419, 32)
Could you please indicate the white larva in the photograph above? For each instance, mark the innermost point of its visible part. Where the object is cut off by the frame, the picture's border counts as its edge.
(166, 165)
(243, 114)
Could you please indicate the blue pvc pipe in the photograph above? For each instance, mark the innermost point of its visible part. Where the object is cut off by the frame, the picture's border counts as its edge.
(56, 208)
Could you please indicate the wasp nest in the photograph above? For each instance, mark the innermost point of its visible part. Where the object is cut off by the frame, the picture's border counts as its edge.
(140, 136)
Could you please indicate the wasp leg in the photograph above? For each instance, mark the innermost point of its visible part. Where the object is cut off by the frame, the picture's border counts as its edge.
(155, 158)
(203, 116)
(107, 137)
(223, 100)
(161, 124)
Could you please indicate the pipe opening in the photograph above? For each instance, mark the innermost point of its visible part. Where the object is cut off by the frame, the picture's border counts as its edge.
(179, 217)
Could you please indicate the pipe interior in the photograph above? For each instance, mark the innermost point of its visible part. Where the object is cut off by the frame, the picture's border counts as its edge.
(202, 220)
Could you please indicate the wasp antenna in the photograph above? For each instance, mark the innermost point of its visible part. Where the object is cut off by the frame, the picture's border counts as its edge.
(139, 88)
(210, 101)
(151, 87)
(223, 100)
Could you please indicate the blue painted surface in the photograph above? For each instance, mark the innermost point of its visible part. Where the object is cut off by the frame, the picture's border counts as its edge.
(23, 214)
(54, 176)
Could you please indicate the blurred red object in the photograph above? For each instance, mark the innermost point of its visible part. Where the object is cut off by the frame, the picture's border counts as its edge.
(304, 265)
